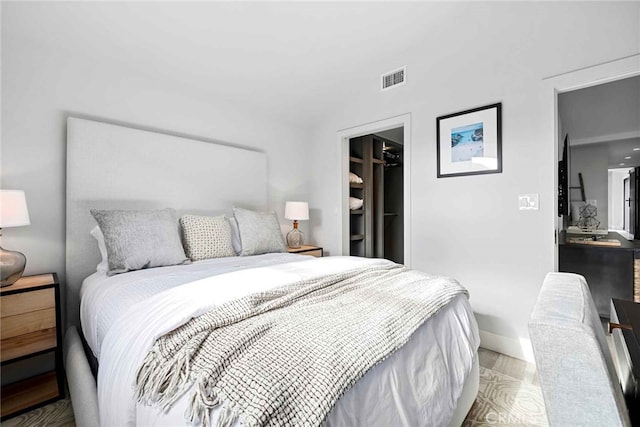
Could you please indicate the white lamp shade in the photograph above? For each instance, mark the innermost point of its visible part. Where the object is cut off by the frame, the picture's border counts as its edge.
(13, 209)
(297, 211)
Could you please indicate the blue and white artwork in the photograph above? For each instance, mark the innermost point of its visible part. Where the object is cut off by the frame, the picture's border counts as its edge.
(467, 142)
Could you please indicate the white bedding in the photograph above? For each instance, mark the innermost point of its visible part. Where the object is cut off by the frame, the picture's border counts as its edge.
(424, 378)
(104, 299)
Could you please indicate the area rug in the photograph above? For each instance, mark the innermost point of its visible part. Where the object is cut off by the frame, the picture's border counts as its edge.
(506, 401)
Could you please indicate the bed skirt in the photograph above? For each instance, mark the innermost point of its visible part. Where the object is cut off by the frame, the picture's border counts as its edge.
(84, 393)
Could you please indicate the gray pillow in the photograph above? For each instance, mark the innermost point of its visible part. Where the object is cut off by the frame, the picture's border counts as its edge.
(259, 232)
(140, 239)
(235, 235)
(206, 237)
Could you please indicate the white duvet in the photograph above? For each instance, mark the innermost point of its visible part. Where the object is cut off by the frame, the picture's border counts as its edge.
(418, 385)
(104, 299)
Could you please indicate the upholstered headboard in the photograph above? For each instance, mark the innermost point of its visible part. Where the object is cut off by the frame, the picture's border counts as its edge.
(116, 167)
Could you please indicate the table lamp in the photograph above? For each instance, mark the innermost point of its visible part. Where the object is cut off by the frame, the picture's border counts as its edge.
(297, 211)
(13, 213)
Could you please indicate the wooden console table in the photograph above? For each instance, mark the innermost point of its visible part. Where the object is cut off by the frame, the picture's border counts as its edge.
(611, 270)
(625, 331)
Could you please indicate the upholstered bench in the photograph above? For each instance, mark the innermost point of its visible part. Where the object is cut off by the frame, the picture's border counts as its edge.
(574, 364)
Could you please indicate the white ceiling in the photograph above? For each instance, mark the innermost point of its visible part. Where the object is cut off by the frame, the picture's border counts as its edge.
(607, 114)
(619, 150)
(296, 61)
(272, 56)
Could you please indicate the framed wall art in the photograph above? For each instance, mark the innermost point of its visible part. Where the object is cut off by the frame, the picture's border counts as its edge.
(470, 142)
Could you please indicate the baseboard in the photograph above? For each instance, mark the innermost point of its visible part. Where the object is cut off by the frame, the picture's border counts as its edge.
(519, 348)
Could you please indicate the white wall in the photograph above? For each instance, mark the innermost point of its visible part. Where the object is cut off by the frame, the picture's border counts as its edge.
(466, 227)
(470, 227)
(41, 87)
(593, 162)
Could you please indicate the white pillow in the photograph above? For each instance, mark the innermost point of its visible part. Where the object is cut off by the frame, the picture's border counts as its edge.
(103, 267)
(235, 235)
(355, 203)
(354, 178)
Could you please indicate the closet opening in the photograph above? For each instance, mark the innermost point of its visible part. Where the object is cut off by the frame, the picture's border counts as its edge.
(376, 195)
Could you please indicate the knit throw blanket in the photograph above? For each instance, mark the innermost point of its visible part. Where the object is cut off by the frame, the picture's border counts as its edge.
(285, 356)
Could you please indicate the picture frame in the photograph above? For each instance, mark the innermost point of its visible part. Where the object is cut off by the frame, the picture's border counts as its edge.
(470, 142)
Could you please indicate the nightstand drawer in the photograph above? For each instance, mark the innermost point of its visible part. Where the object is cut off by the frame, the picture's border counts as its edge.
(21, 324)
(26, 302)
(17, 397)
(23, 345)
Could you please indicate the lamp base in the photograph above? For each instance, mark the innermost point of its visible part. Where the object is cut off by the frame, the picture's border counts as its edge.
(12, 265)
(295, 238)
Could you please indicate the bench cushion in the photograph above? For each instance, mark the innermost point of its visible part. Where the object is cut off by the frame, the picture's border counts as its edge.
(574, 363)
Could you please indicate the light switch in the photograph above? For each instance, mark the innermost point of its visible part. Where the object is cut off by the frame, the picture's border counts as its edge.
(528, 202)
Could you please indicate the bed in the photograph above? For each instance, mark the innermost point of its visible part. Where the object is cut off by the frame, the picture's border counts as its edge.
(431, 380)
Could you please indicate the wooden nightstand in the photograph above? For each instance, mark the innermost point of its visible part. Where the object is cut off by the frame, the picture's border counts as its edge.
(30, 312)
(315, 251)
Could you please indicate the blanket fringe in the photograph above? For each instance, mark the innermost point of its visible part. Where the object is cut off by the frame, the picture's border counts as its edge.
(227, 417)
(162, 382)
(202, 402)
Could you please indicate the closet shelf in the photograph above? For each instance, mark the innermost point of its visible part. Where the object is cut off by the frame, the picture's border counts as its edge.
(376, 228)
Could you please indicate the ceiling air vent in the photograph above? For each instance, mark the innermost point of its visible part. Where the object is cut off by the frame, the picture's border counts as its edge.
(394, 78)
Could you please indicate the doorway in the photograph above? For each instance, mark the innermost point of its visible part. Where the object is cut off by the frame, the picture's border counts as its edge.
(627, 205)
(551, 87)
(600, 120)
(604, 144)
(376, 199)
(399, 241)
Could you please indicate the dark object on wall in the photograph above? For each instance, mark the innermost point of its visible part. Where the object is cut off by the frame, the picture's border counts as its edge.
(470, 142)
(564, 188)
(563, 180)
